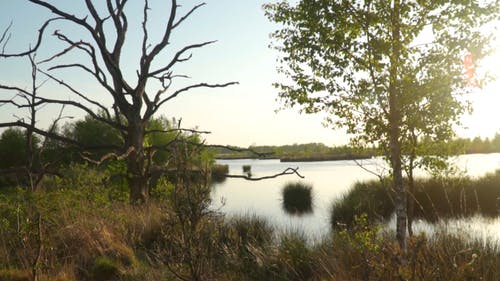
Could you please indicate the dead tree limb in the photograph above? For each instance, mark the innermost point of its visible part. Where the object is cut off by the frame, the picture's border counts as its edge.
(287, 171)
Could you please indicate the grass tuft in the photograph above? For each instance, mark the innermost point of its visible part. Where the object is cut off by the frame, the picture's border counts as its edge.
(435, 199)
(105, 269)
(297, 198)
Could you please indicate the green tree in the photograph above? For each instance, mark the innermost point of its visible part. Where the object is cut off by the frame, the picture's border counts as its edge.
(362, 62)
(15, 157)
(13, 148)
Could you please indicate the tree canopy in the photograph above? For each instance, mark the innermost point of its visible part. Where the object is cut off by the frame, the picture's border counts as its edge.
(390, 72)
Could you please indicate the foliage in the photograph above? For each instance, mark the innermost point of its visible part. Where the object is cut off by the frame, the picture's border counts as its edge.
(364, 64)
(13, 148)
(337, 56)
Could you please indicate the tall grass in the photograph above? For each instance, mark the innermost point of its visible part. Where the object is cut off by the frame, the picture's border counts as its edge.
(373, 198)
(83, 231)
(435, 198)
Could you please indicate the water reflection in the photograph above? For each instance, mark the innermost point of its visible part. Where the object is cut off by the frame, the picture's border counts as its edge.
(331, 179)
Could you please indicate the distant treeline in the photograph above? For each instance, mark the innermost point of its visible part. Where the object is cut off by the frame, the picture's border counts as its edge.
(320, 151)
(300, 152)
(478, 145)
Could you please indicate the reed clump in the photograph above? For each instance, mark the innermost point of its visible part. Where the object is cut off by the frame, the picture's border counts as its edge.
(297, 198)
(435, 199)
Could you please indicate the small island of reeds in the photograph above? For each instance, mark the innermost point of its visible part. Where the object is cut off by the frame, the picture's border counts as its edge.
(297, 198)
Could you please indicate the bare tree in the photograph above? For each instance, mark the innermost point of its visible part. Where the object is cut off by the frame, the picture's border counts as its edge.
(107, 27)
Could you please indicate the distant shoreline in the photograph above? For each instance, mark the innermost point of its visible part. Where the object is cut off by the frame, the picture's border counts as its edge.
(319, 158)
(308, 158)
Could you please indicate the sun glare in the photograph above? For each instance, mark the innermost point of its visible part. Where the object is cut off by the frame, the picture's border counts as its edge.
(485, 118)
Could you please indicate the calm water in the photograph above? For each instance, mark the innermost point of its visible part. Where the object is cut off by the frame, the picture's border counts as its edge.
(330, 180)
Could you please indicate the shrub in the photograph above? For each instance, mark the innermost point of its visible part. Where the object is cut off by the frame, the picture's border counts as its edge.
(297, 198)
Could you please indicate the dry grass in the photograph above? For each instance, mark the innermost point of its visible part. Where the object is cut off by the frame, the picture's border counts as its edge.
(83, 235)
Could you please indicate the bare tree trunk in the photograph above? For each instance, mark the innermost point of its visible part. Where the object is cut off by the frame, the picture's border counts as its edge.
(411, 199)
(136, 163)
(395, 130)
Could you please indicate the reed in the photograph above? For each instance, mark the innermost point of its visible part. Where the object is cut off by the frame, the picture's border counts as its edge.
(297, 198)
(435, 199)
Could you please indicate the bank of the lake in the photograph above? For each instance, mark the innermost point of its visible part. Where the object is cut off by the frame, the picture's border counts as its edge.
(330, 180)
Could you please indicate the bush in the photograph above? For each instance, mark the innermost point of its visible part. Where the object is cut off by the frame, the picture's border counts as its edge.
(297, 198)
(219, 173)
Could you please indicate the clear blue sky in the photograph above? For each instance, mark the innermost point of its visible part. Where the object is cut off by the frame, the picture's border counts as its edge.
(238, 115)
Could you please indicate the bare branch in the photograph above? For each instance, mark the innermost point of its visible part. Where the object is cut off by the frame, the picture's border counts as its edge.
(145, 30)
(31, 50)
(5, 37)
(177, 56)
(379, 176)
(178, 130)
(11, 101)
(187, 15)
(120, 23)
(164, 41)
(201, 85)
(108, 156)
(108, 115)
(237, 149)
(287, 171)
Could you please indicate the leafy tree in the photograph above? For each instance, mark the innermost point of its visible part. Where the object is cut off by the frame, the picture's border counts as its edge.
(13, 148)
(14, 155)
(362, 62)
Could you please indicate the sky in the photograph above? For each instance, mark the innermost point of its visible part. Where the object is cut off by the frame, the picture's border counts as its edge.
(244, 114)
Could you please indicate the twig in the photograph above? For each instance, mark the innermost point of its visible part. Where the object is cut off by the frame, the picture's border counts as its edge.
(287, 171)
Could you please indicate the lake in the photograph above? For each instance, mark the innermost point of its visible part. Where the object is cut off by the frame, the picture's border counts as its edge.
(330, 180)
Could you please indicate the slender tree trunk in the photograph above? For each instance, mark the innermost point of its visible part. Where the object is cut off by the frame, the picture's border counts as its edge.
(411, 199)
(395, 130)
(411, 183)
(137, 174)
